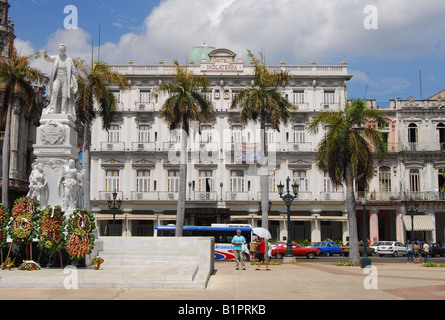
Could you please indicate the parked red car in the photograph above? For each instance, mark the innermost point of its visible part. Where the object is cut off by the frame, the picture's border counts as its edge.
(280, 250)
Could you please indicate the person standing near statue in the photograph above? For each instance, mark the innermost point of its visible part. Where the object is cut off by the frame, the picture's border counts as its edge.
(238, 242)
(62, 86)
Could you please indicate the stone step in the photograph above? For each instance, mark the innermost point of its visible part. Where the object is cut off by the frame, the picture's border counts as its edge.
(147, 256)
(106, 277)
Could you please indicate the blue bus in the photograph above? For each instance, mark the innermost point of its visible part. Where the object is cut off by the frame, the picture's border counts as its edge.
(222, 233)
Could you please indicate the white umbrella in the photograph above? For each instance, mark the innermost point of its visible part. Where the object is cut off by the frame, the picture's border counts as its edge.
(262, 233)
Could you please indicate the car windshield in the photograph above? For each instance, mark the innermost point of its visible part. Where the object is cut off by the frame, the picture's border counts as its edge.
(387, 243)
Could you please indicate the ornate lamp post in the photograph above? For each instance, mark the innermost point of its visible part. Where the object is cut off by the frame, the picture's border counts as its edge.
(114, 206)
(365, 261)
(412, 209)
(288, 198)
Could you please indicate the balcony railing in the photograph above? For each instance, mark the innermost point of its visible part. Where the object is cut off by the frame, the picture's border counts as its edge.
(154, 196)
(112, 146)
(144, 106)
(299, 147)
(143, 146)
(418, 146)
(237, 196)
(379, 196)
(204, 196)
(108, 195)
(404, 196)
(332, 196)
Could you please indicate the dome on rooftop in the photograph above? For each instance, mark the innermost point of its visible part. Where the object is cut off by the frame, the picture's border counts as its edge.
(200, 53)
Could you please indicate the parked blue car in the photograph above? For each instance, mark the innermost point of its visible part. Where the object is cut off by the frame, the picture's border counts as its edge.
(327, 247)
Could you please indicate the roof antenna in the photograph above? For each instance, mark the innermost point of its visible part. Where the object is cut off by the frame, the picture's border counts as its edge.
(420, 80)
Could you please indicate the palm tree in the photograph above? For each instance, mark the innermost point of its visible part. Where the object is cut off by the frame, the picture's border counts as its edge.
(347, 153)
(185, 103)
(264, 103)
(94, 87)
(17, 79)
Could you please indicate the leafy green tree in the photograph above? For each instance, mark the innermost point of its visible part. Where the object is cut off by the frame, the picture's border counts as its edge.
(186, 103)
(95, 98)
(264, 102)
(347, 153)
(17, 82)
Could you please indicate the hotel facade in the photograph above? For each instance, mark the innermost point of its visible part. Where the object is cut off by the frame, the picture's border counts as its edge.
(138, 158)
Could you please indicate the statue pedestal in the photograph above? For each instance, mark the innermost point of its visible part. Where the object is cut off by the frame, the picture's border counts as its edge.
(56, 151)
(56, 137)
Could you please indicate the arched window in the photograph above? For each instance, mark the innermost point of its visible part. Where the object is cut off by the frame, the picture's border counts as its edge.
(412, 136)
(412, 132)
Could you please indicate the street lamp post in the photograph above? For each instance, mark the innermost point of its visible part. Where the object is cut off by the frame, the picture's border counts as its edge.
(412, 209)
(288, 198)
(365, 261)
(114, 205)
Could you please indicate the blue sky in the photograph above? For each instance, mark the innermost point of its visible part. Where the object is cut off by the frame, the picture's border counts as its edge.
(385, 48)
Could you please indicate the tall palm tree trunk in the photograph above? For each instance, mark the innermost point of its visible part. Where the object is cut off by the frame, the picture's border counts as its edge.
(180, 211)
(354, 254)
(6, 155)
(264, 180)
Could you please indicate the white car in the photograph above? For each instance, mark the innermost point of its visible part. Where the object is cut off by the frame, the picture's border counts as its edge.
(392, 248)
(375, 245)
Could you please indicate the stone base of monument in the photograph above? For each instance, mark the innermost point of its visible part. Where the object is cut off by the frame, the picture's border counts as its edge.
(58, 178)
(143, 262)
(56, 137)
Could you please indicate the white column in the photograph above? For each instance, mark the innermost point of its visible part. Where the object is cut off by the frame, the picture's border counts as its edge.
(432, 238)
(373, 224)
(400, 228)
(315, 226)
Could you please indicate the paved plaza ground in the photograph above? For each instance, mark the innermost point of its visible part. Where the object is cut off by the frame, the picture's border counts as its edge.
(298, 281)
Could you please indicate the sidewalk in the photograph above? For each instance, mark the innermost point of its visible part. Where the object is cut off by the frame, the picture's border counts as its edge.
(299, 281)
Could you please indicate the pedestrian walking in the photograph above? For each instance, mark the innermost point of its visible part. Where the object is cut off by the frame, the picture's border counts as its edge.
(426, 251)
(416, 252)
(410, 252)
(253, 250)
(238, 242)
(261, 252)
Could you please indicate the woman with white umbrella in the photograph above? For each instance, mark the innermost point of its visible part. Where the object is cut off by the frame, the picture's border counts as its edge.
(263, 234)
(261, 252)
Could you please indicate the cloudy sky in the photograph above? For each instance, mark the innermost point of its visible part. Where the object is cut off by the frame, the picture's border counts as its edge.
(391, 46)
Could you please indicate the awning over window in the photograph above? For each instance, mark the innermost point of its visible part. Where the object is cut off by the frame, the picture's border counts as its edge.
(421, 223)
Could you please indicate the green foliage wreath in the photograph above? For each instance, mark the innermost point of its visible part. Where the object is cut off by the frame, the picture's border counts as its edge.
(4, 221)
(52, 226)
(25, 220)
(80, 236)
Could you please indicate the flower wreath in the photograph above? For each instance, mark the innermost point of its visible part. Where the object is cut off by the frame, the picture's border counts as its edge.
(52, 225)
(81, 239)
(24, 220)
(4, 220)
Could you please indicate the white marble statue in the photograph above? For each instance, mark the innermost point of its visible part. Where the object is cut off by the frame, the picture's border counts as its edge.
(38, 184)
(69, 185)
(62, 86)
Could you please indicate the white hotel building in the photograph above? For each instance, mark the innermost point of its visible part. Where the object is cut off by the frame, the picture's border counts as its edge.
(136, 157)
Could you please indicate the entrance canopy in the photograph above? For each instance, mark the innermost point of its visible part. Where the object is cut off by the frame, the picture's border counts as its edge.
(421, 223)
